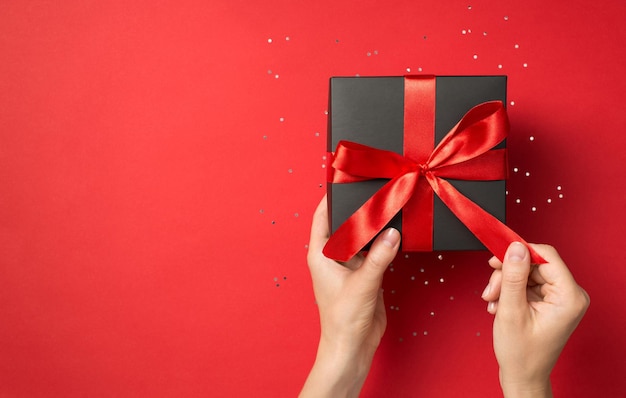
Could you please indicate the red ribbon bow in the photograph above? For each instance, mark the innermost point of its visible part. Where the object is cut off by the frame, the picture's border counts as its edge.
(464, 153)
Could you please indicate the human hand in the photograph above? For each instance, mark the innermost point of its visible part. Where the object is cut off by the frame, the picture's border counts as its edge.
(536, 310)
(352, 312)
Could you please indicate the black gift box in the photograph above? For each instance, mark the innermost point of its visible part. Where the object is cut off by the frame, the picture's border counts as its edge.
(370, 111)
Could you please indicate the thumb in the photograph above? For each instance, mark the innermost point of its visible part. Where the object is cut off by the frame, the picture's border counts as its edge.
(380, 255)
(515, 272)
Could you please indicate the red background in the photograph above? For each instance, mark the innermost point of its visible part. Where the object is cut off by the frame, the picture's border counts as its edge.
(160, 162)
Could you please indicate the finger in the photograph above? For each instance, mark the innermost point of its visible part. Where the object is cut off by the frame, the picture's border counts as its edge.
(554, 271)
(536, 293)
(492, 291)
(515, 272)
(354, 263)
(319, 228)
(495, 263)
(380, 255)
(380, 307)
(535, 276)
(492, 307)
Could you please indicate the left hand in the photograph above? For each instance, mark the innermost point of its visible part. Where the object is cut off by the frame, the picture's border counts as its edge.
(352, 311)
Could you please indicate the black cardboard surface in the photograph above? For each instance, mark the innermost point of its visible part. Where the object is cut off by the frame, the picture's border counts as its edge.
(370, 111)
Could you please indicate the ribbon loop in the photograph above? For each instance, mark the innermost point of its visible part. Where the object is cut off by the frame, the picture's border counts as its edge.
(483, 127)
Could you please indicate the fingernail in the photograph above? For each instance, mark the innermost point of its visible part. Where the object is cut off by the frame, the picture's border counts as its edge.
(391, 237)
(516, 252)
(491, 306)
(486, 291)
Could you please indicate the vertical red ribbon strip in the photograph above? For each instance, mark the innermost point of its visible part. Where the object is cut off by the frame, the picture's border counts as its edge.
(419, 139)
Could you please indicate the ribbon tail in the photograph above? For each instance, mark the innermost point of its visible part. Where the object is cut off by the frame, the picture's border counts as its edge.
(364, 224)
(488, 229)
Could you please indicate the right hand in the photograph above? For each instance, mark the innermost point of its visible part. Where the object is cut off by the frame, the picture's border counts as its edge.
(536, 310)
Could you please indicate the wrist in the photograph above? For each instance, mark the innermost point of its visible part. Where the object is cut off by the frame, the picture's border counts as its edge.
(527, 390)
(339, 371)
(349, 364)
